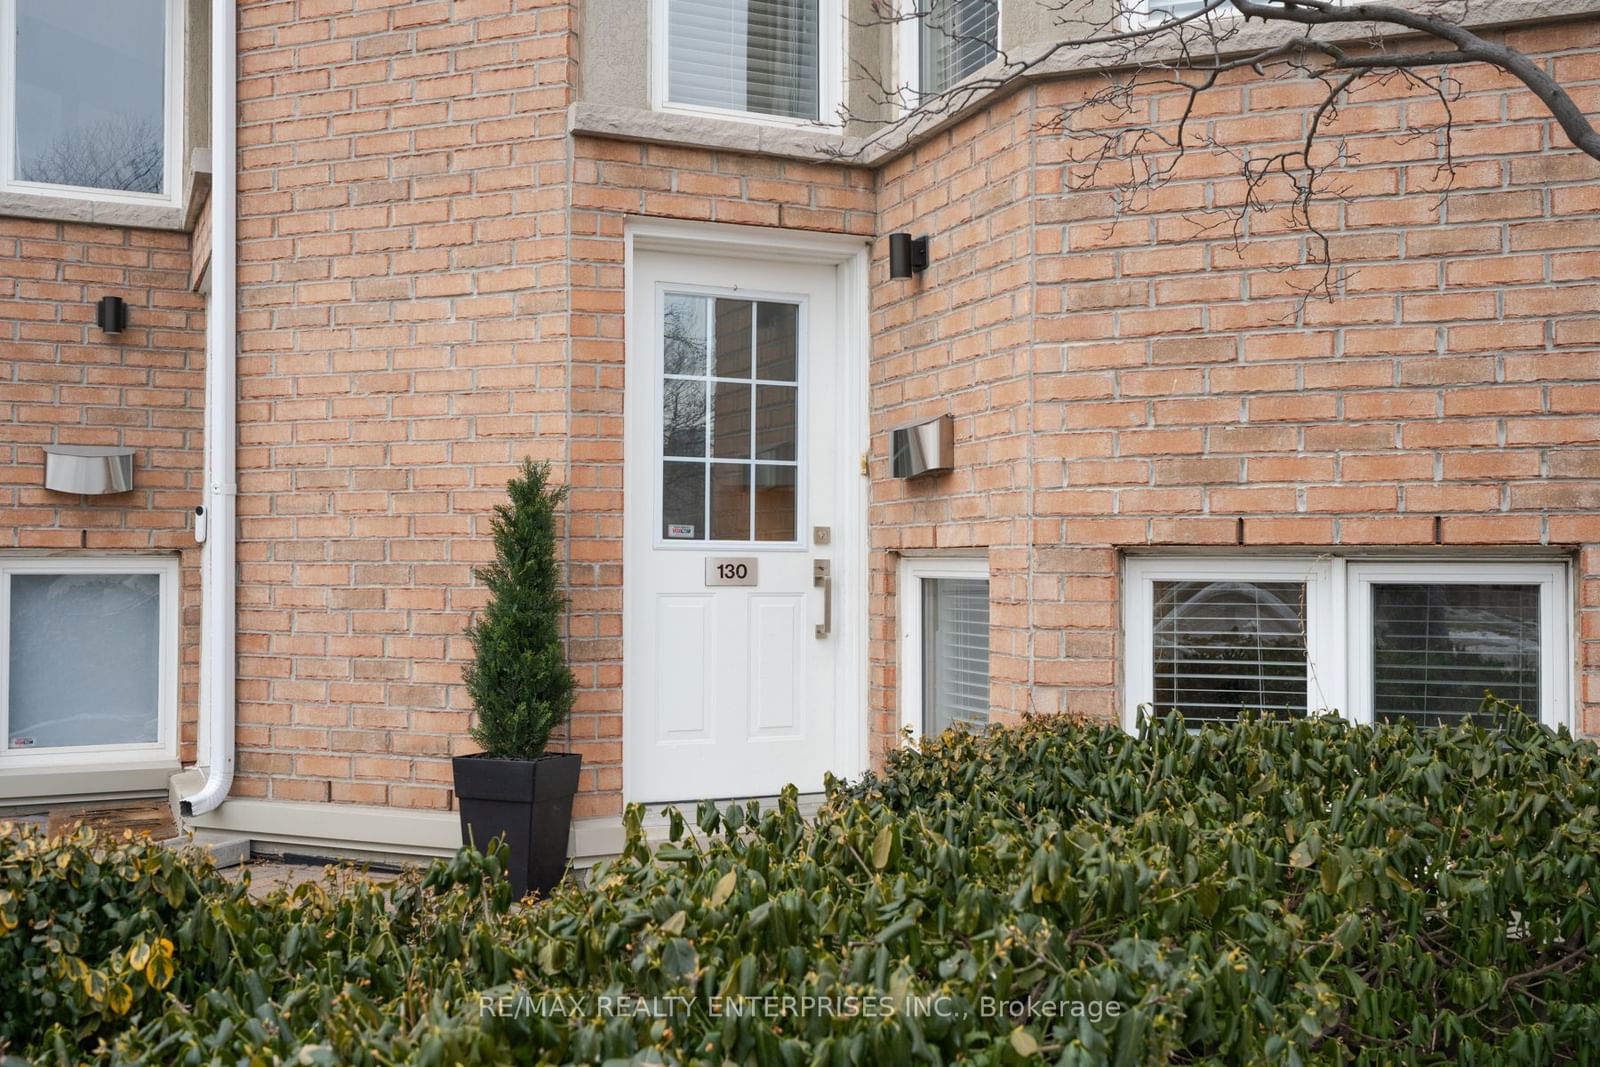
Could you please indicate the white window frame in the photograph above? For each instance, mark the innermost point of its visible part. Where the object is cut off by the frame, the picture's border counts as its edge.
(172, 164)
(1339, 619)
(912, 571)
(801, 464)
(1137, 14)
(97, 756)
(832, 56)
(1554, 664)
(908, 53)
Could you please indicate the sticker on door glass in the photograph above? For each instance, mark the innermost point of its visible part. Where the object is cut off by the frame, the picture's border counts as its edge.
(680, 529)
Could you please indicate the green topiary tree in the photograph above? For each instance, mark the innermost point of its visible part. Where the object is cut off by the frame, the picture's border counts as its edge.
(519, 680)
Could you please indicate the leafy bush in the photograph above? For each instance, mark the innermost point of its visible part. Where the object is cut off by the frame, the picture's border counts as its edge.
(518, 680)
(1271, 892)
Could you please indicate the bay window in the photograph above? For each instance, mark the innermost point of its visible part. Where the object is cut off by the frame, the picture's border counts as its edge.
(89, 94)
(767, 59)
(947, 40)
(1374, 640)
(88, 659)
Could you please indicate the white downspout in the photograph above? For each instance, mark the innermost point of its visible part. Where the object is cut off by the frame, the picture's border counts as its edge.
(217, 618)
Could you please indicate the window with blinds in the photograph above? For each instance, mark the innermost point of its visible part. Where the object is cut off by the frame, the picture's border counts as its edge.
(1438, 647)
(955, 653)
(1225, 646)
(756, 56)
(1165, 10)
(956, 37)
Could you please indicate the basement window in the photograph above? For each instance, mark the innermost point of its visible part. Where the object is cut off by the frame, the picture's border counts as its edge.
(1374, 640)
(90, 93)
(88, 653)
(944, 643)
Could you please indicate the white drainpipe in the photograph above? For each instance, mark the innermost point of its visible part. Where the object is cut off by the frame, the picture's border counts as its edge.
(217, 618)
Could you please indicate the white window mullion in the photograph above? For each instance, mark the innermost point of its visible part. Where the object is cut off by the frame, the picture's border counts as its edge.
(8, 90)
(1330, 688)
(5, 659)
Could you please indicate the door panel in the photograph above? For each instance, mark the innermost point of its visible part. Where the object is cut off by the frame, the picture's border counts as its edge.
(735, 454)
(778, 623)
(682, 622)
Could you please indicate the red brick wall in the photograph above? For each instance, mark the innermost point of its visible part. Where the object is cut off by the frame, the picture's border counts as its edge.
(1170, 384)
(411, 327)
(432, 287)
(63, 381)
(403, 344)
(958, 340)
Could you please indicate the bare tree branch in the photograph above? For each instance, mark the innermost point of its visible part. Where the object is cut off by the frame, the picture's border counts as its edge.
(1132, 146)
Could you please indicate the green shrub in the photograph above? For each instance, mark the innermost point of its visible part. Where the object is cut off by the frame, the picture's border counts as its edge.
(518, 679)
(1271, 892)
(85, 928)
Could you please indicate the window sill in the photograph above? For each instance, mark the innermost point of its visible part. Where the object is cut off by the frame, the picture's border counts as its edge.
(705, 131)
(96, 212)
(180, 216)
(85, 782)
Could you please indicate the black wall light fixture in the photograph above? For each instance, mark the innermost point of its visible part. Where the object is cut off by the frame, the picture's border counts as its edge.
(908, 255)
(111, 314)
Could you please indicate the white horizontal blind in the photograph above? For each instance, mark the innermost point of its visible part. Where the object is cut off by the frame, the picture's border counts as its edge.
(1166, 10)
(957, 38)
(1438, 647)
(955, 655)
(1225, 646)
(759, 56)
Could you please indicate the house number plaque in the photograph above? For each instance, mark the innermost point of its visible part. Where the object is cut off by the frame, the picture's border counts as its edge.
(731, 570)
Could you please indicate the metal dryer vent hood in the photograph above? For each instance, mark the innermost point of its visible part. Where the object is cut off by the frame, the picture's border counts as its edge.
(88, 470)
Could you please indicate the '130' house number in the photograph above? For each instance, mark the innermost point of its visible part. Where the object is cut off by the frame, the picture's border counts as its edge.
(731, 570)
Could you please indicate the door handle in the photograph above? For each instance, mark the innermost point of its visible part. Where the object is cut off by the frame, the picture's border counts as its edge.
(822, 574)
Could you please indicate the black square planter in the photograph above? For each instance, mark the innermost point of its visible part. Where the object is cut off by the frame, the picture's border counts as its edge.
(529, 802)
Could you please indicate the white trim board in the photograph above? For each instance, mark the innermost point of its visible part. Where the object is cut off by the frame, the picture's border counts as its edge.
(38, 785)
(362, 830)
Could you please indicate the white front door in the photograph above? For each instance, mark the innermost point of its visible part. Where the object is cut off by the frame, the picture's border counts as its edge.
(743, 518)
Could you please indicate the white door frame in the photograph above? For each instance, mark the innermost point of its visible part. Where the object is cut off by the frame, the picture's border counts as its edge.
(849, 542)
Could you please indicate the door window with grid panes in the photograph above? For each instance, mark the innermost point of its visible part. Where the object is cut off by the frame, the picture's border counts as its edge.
(730, 419)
